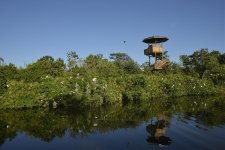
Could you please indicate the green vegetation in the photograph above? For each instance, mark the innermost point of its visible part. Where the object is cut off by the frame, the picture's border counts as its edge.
(3, 83)
(96, 81)
(206, 65)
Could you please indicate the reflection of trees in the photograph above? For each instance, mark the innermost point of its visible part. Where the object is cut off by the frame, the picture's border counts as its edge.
(5, 133)
(208, 112)
(38, 123)
(157, 130)
(48, 124)
(213, 117)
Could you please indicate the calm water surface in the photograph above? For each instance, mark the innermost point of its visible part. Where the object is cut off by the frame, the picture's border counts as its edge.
(184, 123)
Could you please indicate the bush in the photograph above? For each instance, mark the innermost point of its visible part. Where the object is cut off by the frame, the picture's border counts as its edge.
(21, 94)
(3, 83)
(142, 87)
(96, 81)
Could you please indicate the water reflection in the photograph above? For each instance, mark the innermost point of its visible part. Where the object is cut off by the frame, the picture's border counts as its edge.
(46, 125)
(157, 130)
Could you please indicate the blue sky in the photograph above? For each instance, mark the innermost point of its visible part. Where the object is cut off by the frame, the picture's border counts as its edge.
(30, 29)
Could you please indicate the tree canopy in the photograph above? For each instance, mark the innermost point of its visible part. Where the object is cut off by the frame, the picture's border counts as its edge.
(206, 65)
(95, 80)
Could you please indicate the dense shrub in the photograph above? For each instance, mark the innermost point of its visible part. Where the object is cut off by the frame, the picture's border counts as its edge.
(21, 94)
(76, 91)
(142, 87)
(3, 83)
(96, 81)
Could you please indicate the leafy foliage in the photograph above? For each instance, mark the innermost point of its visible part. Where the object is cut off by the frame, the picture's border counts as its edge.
(209, 65)
(125, 62)
(96, 81)
(1, 61)
(72, 58)
(43, 67)
(3, 83)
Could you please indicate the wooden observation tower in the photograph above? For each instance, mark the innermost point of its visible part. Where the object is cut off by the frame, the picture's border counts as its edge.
(155, 49)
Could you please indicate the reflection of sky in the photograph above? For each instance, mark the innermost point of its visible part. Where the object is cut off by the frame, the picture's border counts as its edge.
(118, 139)
(31, 29)
(117, 127)
(185, 135)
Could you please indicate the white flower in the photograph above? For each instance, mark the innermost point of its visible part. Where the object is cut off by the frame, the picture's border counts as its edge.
(7, 85)
(80, 131)
(62, 82)
(54, 104)
(77, 87)
(94, 79)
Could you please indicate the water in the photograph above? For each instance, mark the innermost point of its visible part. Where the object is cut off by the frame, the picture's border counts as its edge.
(184, 123)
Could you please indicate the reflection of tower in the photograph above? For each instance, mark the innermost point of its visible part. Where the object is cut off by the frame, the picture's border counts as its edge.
(158, 130)
(155, 49)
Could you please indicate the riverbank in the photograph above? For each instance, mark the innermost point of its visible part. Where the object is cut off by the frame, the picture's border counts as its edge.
(96, 81)
(73, 91)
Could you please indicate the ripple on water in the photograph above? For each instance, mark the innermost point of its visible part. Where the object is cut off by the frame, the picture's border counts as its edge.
(192, 135)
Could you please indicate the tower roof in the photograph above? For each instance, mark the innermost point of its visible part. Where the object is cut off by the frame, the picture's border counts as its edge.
(155, 39)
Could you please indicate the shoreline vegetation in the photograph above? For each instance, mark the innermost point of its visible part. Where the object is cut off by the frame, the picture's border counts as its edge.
(96, 81)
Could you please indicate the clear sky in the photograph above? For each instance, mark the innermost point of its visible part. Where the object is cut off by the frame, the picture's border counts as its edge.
(30, 29)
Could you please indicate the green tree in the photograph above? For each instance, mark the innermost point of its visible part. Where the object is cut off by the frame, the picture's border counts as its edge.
(96, 65)
(146, 68)
(174, 68)
(52, 67)
(120, 57)
(43, 67)
(206, 65)
(125, 62)
(58, 67)
(10, 71)
(3, 83)
(1, 61)
(197, 61)
(165, 55)
(72, 58)
(222, 58)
